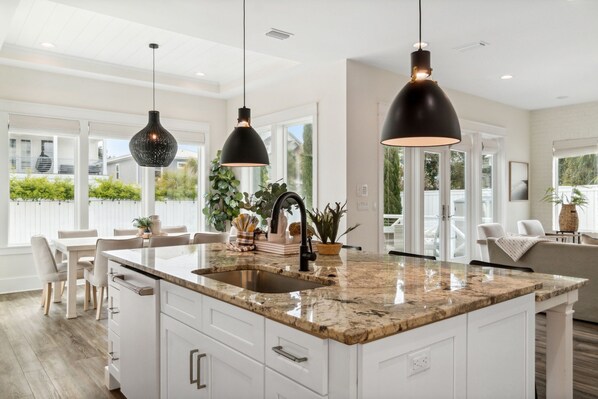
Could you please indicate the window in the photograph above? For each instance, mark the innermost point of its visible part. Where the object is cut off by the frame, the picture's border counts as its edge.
(114, 185)
(290, 138)
(576, 165)
(177, 189)
(41, 192)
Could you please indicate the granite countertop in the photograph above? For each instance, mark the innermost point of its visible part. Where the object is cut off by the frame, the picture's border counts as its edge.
(368, 296)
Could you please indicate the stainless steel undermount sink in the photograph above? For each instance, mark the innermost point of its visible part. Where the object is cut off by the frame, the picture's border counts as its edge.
(263, 281)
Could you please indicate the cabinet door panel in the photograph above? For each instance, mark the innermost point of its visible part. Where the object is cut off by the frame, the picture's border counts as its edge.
(500, 350)
(279, 387)
(230, 374)
(178, 360)
(427, 362)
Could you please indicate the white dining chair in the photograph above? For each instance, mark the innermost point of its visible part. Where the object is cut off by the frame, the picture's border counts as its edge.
(125, 232)
(48, 270)
(208, 238)
(174, 229)
(168, 241)
(98, 276)
(530, 228)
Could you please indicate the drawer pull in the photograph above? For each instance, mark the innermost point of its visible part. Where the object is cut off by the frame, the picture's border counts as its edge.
(281, 352)
(111, 355)
(113, 310)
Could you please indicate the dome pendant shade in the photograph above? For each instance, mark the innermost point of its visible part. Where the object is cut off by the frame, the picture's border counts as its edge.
(153, 146)
(421, 116)
(244, 146)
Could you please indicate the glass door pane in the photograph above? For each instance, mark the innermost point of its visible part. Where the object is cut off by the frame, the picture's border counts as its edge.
(432, 203)
(394, 198)
(487, 211)
(457, 208)
(299, 161)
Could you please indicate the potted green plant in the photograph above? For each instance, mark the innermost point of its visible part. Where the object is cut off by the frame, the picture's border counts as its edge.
(326, 223)
(262, 201)
(568, 218)
(223, 198)
(144, 224)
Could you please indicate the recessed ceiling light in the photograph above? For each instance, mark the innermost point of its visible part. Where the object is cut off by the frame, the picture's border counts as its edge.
(424, 45)
(506, 77)
(47, 45)
(200, 74)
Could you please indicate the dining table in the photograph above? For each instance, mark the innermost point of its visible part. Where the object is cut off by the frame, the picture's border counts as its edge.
(75, 249)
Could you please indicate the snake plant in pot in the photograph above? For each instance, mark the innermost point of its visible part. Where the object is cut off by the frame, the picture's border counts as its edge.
(327, 223)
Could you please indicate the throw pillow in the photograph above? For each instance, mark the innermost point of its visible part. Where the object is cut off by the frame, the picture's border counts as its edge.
(586, 239)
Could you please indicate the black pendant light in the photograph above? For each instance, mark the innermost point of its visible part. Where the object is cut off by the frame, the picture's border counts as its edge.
(153, 146)
(421, 115)
(244, 147)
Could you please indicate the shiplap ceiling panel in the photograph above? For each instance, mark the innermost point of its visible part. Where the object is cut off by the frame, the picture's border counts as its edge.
(92, 36)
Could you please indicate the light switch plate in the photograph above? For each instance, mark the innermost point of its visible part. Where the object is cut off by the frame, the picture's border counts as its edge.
(362, 190)
(363, 205)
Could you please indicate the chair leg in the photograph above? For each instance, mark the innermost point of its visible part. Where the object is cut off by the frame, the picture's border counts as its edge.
(44, 295)
(86, 297)
(99, 312)
(62, 285)
(95, 296)
(48, 298)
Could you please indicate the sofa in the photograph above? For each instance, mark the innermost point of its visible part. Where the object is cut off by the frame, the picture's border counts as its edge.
(575, 260)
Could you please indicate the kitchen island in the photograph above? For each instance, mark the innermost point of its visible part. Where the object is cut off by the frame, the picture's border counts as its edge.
(397, 325)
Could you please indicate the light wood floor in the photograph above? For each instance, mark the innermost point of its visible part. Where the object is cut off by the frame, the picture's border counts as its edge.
(52, 357)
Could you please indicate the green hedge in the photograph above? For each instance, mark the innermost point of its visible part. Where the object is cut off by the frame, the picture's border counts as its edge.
(42, 188)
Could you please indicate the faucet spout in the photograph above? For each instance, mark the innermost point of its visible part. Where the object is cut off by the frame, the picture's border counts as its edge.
(305, 252)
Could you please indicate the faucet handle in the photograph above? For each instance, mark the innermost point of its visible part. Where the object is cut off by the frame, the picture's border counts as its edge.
(311, 255)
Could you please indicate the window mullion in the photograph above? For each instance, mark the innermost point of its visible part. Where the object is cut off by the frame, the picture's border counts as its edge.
(4, 179)
(81, 177)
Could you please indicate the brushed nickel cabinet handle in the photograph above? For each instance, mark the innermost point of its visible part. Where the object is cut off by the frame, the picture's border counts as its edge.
(282, 352)
(113, 310)
(111, 355)
(200, 385)
(141, 291)
(191, 379)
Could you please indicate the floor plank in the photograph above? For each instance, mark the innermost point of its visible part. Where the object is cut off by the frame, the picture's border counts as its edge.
(52, 357)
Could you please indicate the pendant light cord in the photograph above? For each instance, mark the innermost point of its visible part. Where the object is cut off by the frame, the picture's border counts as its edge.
(154, 76)
(420, 24)
(244, 53)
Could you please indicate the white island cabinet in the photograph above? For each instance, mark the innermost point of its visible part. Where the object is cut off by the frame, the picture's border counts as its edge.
(211, 349)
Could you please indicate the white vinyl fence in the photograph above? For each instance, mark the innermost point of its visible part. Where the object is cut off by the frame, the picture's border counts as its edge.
(28, 218)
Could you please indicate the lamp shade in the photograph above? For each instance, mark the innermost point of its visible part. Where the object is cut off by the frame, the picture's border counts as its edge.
(244, 146)
(153, 146)
(421, 116)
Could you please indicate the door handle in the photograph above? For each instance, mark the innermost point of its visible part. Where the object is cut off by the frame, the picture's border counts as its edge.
(199, 384)
(191, 379)
(141, 291)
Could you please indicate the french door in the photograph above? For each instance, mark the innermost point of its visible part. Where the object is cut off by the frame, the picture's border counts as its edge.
(446, 214)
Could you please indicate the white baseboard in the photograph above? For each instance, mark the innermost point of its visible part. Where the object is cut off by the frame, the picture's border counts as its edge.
(23, 283)
(18, 284)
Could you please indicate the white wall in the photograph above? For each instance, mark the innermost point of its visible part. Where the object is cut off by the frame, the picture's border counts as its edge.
(326, 86)
(18, 271)
(547, 125)
(367, 87)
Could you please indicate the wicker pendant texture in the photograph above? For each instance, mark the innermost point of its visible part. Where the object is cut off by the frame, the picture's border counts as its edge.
(153, 146)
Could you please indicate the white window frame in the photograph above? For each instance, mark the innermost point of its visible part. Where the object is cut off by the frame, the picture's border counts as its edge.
(190, 132)
(276, 123)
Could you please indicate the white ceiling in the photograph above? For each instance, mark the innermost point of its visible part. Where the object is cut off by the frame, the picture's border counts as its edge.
(549, 46)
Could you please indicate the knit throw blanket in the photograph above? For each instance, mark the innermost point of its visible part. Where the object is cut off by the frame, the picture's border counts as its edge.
(517, 246)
